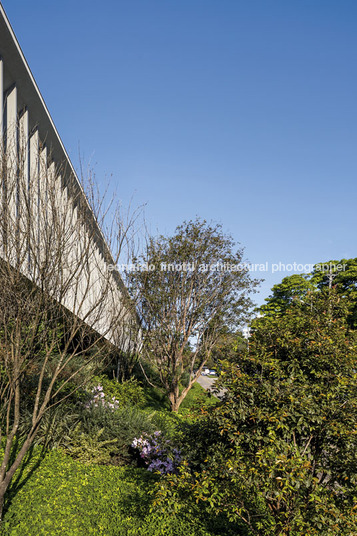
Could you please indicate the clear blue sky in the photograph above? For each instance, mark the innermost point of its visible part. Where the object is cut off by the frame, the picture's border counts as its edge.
(243, 112)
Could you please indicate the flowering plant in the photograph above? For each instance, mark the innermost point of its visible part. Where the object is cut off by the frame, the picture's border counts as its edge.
(157, 453)
(98, 399)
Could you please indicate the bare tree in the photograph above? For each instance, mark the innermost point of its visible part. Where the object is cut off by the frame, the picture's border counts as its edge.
(60, 306)
(124, 231)
(189, 288)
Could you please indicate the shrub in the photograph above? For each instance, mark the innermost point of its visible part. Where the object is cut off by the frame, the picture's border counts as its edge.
(98, 398)
(127, 393)
(89, 448)
(284, 457)
(110, 432)
(98, 434)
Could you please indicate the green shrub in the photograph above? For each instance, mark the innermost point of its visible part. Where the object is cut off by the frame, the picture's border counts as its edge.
(105, 436)
(284, 457)
(98, 434)
(56, 424)
(116, 427)
(127, 393)
(89, 448)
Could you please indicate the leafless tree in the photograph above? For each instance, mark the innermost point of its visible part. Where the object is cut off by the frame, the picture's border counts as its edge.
(61, 308)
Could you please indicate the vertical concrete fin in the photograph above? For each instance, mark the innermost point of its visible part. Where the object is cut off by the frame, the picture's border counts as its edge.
(34, 166)
(1, 101)
(24, 156)
(11, 183)
(2, 198)
(23, 190)
(11, 120)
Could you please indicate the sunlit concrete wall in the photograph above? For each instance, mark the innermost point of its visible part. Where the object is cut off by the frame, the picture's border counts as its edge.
(29, 140)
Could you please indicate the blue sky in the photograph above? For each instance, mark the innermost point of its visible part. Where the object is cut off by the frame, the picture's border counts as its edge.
(241, 112)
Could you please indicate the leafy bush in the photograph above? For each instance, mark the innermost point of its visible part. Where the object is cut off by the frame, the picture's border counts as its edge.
(127, 393)
(89, 448)
(57, 423)
(98, 398)
(99, 434)
(284, 459)
(101, 430)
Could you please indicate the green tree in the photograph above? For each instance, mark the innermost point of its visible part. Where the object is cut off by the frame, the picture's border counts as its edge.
(226, 347)
(188, 294)
(340, 275)
(292, 287)
(344, 280)
(285, 456)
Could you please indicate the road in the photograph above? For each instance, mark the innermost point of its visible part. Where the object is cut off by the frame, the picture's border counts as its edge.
(207, 382)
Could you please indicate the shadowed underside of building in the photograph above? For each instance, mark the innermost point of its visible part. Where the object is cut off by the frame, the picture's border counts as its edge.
(48, 229)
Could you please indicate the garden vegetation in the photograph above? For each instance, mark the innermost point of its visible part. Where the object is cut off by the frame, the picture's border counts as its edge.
(97, 441)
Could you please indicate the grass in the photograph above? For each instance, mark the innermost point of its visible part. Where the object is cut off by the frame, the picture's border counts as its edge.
(196, 398)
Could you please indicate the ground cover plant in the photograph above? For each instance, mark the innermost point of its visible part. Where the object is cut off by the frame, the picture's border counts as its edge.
(55, 495)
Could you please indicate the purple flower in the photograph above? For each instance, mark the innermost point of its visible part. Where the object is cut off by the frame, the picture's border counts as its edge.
(158, 455)
(98, 399)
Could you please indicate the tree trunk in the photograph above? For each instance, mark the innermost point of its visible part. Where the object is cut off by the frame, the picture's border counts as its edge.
(7, 478)
(175, 406)
(3, 489)
(2, 496)
(174, 398)
(174, 402)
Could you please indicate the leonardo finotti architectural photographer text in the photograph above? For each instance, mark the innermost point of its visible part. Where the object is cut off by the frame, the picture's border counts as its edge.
(227, 267)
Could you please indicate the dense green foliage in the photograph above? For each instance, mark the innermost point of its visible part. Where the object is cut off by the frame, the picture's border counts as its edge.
(281, 453)
(95, 433)
(340, 275)
(127, 393)
(277, 456)
(61, 496)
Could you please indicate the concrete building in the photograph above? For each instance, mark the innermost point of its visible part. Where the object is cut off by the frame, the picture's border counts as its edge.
(45, 203)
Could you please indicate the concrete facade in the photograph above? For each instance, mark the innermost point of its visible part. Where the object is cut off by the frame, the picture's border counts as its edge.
(39, 180)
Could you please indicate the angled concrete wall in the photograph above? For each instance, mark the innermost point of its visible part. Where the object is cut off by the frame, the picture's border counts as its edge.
(38, 181)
